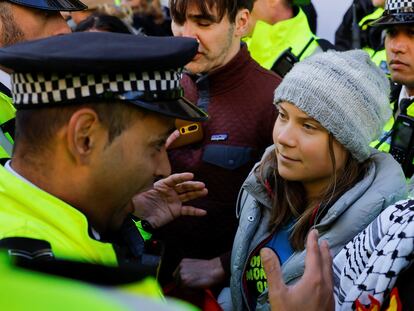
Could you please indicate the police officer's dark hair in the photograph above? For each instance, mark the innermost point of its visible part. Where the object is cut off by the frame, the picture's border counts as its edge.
(35, 128)
(230, 7)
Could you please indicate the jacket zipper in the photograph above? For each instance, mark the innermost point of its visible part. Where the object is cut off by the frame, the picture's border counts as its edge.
(244, 285)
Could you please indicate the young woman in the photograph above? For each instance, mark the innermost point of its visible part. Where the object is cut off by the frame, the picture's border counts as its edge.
(320, 173)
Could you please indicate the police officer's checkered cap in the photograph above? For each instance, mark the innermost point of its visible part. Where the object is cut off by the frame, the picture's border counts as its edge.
(38, 88)
(102, 67)
(400, 6)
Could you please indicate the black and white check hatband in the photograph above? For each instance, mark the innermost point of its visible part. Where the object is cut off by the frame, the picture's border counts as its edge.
(400, 6)
(28, 88)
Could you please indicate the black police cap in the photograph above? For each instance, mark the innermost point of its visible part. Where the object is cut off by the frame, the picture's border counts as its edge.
(396, 12)
(52, 5)
(94, 66)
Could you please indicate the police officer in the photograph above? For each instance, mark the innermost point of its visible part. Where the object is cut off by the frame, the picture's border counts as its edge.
(356, 31)
(398, 21)
(94, 111)
(276, 26)
(23, 20)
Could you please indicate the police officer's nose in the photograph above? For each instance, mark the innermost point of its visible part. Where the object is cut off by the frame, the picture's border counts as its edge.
(163, 168)
(398, 44)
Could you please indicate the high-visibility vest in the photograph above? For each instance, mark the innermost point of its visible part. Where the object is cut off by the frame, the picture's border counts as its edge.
(7, 115)
(23, 289)
(267, 41)
(29, 212)
(385, 146)
(377, 56)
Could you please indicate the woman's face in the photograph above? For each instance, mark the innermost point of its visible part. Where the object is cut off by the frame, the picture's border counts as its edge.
(302, 149)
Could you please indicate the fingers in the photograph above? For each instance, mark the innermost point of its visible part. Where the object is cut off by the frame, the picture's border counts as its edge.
(191, 195)
(189, 186)
(192, 211)
(175, 179)
(272, 270)
(313, 255)
(326, 264)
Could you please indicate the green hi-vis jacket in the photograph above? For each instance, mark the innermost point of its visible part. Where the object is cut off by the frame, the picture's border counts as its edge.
(385, 146)
(7, 114)
(22, 289)
(29, 212)
(377, 56)
(269, 41)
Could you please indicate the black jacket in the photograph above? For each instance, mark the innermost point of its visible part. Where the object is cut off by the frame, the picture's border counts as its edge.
(370, 38)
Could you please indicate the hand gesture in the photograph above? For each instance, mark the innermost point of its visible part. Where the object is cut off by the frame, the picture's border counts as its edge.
(164, 202)
(314, 291)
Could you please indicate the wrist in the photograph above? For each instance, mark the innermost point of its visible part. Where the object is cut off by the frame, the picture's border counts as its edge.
(147, 226)
(217, 269)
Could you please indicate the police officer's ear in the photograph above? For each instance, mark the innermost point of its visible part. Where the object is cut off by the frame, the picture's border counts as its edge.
(84, 131)
(242, 23)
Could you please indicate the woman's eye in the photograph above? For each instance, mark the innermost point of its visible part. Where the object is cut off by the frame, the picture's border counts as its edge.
(309, 126)
(282, 115)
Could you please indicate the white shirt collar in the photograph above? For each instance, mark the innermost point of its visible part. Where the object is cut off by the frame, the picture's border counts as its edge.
(404, 94)
(8, 167)
(5, 79)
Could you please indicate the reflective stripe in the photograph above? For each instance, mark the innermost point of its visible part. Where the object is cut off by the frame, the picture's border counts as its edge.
(364, 23)
(6, 145)
(7, 110)
(7, 113)
(386, 145)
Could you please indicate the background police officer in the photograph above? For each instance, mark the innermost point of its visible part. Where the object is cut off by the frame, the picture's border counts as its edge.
(398, 21)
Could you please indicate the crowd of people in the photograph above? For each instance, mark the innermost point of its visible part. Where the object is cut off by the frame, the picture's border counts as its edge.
(208, 154)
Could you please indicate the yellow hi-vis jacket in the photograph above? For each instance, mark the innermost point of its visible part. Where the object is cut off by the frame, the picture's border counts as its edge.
(385, 146)
(377, 56)
(267, 41)
(27, 211)
(7, 114)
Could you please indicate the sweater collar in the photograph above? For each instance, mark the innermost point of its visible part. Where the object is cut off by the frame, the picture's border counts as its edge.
(228, 76)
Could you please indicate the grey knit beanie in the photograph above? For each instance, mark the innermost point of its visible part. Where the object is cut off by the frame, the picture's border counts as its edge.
(345, 92)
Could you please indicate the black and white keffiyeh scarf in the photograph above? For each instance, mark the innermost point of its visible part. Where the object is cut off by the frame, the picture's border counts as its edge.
(370, 264)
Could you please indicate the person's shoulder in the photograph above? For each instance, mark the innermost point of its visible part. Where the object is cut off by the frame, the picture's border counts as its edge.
(262, 74)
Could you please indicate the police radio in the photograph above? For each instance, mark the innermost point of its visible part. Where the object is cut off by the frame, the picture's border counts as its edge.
(402, 143)
(286, 60)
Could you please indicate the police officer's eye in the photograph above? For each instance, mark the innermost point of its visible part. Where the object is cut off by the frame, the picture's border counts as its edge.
(160, 145)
